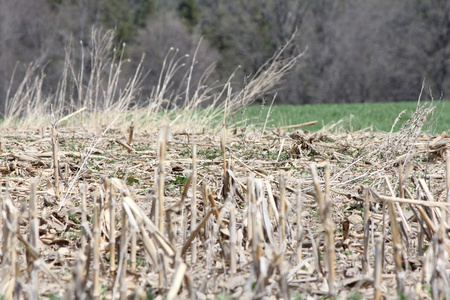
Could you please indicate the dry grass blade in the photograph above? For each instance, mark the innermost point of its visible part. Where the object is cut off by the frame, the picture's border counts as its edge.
(409, 201)
(311, 123)
(71, 115)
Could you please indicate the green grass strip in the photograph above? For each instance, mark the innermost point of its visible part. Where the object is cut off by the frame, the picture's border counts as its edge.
(355, 116)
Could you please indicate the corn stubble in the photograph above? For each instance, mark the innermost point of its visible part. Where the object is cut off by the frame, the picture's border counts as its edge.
(238, 226)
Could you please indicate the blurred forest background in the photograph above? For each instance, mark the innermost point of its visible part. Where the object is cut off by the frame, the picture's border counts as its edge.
(355, 50)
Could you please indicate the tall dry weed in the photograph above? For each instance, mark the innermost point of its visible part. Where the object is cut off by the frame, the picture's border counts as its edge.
(103, 94)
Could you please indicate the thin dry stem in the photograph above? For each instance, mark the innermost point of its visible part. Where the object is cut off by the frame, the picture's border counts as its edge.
(325, 216)
(194, 202)
(130, 134)
(195, 232)
(123, 256)
(55, 158)
(282, 214)
(397, 241)
(233, 254)
(83, 189)
(112, 233)
(96, 256)
(133, 251)
(379, 256)
(366, 266)
(163, 138)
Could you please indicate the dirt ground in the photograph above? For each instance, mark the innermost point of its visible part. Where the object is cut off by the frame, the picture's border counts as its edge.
(268, 223)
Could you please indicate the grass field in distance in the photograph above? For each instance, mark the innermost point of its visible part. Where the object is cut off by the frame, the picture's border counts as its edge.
(355, 116)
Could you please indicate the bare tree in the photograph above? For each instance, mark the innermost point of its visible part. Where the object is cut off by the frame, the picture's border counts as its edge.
(167, 38)
(23, 39)
(434, 18)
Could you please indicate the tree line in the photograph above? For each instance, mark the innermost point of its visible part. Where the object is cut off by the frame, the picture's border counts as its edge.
(354, 50)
